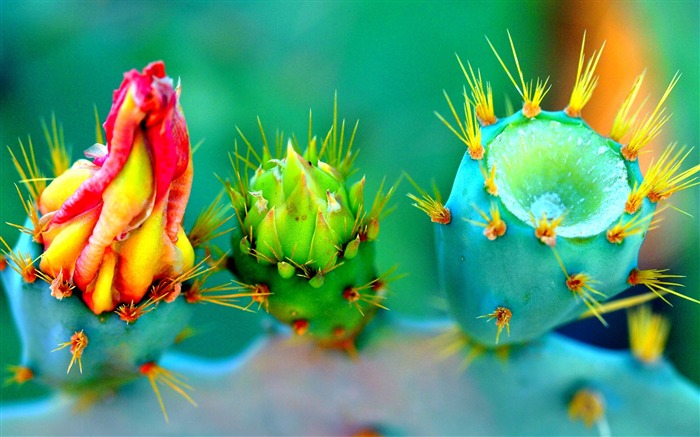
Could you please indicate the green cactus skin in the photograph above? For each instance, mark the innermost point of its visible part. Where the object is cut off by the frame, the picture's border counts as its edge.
(115, 350)
(295, 389)
(517, 270)
(305, 242)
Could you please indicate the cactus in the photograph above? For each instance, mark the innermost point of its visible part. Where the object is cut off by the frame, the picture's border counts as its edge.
(104, 246)
(546, 216)
(304, 246)
(428, 379)
(401, 386)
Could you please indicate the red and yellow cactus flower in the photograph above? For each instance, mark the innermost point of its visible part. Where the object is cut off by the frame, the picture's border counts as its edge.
(114, 225)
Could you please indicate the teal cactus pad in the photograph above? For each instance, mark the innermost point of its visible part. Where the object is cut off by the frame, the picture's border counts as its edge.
(571, 170)
(115, 349)
(401, 385)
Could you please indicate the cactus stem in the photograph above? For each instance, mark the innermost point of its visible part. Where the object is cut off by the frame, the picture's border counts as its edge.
(532, 96)
(60, 161)
(489, 180)
(494, 226)
(207, 224)
(648, 333)
(623, 121)
(636, 225)
(654, 280)
(60, 287)
(30, 209)
(469, 132)
(649, 127)
(585, 83)
(78, 342)
(22, 264)
(300, 326)
(29, 173)
(482, 95)
(502, 316)
(545, 229)
(19, 375)
(580, 284)
(157, 374)
(587, 405)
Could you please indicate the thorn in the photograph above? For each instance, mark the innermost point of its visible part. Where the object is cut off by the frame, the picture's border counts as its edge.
(300, 326)
(431, 205)
(585, 82)
(61, 288)
(502, 316)
(157, 374)
(623, 121)
(649, 127)
(636, 225)
(19, 375)
(655, 281)
(469, 132)
(489, 180)
(209, 221)
(60, 161)
(532, 97)
(494, 226)
(20, 263)
(545, 229)
(587, 405)
(580, 284)
(482, 95)
(664, 179)
(29, 172)
(78, 342)
(648, 333)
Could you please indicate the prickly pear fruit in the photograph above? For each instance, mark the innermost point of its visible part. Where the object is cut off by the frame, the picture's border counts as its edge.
(104, 245)
(304, 246)
(546, 216)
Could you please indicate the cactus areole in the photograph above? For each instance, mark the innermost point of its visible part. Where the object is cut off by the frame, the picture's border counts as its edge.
(304, 243)
(541, 246)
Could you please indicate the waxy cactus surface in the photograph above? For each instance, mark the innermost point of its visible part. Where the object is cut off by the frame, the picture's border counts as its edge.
(546, 216)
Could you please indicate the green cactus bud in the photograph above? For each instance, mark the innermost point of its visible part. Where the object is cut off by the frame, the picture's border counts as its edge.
(302, 216)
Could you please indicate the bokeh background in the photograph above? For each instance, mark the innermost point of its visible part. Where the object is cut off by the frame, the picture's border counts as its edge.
(389, 63)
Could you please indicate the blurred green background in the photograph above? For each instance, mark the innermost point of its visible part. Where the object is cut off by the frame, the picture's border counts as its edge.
(388, 62)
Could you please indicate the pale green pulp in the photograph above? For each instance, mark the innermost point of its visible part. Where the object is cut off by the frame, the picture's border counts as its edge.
(544, 167)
